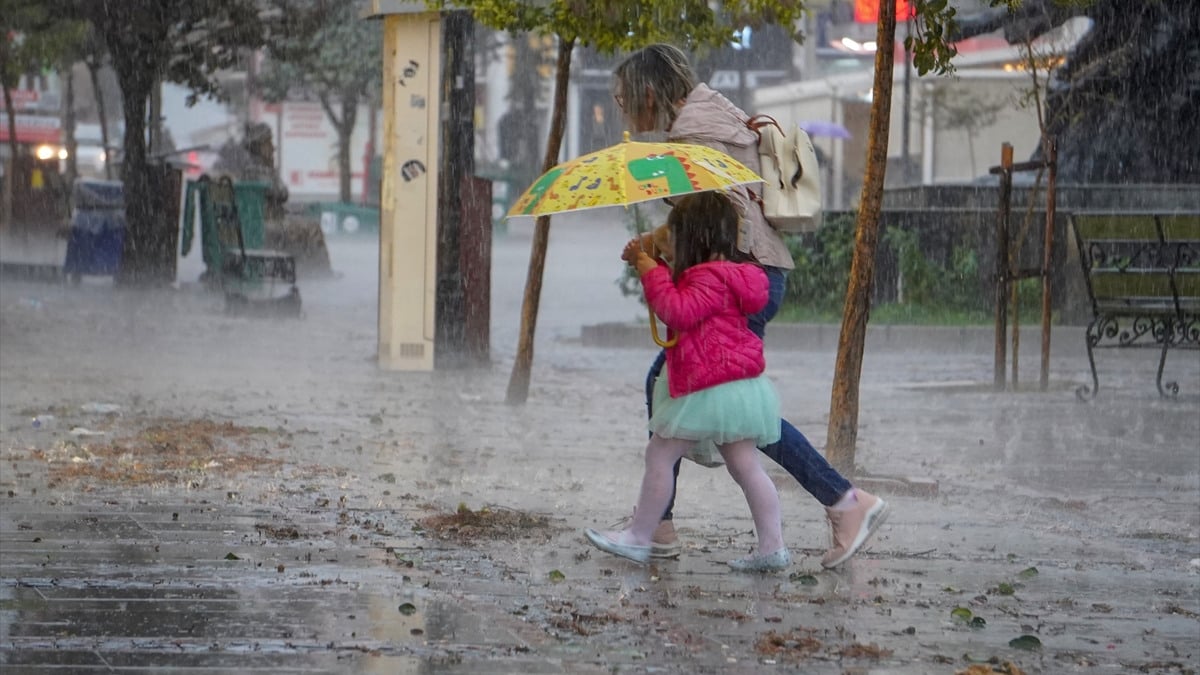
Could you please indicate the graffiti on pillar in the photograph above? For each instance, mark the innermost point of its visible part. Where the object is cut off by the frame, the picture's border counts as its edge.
(417, 101)
(409, 72)
(412, 169)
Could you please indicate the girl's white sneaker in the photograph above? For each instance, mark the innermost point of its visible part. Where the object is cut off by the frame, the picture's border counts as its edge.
(638, 554)
(771, 562)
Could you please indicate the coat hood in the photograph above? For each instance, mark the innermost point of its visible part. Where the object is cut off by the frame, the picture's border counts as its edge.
(708, 115)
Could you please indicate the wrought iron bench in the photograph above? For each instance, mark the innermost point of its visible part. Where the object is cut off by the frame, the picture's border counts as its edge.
(1143, 280)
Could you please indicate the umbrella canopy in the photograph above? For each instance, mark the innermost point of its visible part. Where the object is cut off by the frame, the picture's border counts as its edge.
(823, 128)
(631, 172)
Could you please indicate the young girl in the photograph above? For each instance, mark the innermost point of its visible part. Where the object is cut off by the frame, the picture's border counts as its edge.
(713, 388)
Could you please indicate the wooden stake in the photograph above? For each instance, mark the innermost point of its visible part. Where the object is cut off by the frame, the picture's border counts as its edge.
(1002, 267)
(843, 404)
(1048, 260)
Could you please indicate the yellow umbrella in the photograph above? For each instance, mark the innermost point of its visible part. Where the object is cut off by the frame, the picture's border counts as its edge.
(631, 172)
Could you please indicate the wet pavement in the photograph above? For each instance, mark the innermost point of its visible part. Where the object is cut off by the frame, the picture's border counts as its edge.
(297, 538)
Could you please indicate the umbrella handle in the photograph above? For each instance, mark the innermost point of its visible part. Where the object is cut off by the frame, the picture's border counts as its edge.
(654, 333)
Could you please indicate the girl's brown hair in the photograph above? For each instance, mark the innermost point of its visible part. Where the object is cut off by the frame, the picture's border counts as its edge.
(704, 227)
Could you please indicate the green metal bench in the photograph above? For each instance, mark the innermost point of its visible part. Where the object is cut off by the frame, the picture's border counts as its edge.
(1143, 280)
(255, 281)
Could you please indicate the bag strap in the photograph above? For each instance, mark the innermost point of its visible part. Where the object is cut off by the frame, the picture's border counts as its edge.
(759, 121)
(755, 124)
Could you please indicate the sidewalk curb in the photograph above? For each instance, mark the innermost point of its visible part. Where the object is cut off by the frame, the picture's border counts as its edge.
(1064, 340)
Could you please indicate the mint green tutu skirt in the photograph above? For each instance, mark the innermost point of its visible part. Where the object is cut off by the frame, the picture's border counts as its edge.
(734, 411)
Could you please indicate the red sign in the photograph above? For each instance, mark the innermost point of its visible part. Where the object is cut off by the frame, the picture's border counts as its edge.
(23, 98)
(867, 11)
(33, 129)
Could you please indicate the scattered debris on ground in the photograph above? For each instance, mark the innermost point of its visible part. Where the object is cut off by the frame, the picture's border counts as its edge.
(168, 451)
(796, 644)
(731, 614)
(282, 532)
(584, 624)
(489, 522)
(801, 643)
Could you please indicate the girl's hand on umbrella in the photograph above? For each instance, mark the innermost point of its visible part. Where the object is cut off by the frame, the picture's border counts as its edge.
(635, 255)
(647, 242)
(660, 244)
(632, 248)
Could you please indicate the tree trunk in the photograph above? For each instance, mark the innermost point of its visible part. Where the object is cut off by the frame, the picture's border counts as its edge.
(372, 190)
(94, 74)
(345, 133)
(518, 383)
(6, 204)
(154, 121)
(148, 256)
(68, 123)
(344, 126)
(843, 406)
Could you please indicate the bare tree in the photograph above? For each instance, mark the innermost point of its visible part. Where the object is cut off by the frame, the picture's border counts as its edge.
(338, 63)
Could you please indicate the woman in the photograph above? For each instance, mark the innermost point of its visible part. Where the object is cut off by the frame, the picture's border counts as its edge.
(656, 90)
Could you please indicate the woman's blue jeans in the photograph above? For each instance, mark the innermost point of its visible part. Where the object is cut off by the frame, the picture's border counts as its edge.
(792, 451)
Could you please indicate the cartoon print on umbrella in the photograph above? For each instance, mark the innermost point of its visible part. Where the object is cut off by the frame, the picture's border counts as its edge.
(628, 173)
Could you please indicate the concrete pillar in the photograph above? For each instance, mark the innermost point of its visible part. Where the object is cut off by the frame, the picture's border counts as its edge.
(409, 195)
(435, 215)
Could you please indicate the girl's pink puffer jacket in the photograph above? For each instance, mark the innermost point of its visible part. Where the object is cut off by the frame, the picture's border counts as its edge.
(707, 311)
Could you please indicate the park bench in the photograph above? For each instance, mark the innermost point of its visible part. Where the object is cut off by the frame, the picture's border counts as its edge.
(1143, 280)
(255, 281)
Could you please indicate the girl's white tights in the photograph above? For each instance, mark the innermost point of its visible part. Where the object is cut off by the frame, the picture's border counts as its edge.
(741, 459)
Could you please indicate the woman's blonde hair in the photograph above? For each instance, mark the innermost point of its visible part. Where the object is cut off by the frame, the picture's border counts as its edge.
(653, 79)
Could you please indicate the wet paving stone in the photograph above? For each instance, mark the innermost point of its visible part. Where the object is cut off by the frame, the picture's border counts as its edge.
(99, 592)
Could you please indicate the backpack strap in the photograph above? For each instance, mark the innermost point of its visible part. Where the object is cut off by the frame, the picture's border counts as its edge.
(759, 121)
(755, 124)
